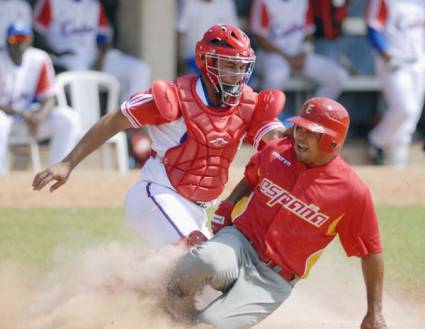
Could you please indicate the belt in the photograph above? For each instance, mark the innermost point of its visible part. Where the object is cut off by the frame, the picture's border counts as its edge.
(288, 276)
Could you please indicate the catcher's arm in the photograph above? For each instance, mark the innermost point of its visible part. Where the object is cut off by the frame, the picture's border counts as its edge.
(105, 128)
(279, 132)
(373, 273)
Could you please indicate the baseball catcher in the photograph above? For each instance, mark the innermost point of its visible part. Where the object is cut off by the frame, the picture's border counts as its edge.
(196, 124)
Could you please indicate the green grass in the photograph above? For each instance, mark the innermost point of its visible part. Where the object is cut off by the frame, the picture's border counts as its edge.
(403, 236)
(32, 236)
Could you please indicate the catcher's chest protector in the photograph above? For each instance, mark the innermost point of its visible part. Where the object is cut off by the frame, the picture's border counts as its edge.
(198, 167)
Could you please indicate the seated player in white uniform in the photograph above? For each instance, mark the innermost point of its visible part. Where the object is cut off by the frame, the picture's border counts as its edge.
(284, 31)
(195, 17)
(77, 34)
(196, 124)
(27, 97)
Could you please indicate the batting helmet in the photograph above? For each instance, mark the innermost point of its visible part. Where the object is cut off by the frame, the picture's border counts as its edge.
(325, 116)
(228, 43)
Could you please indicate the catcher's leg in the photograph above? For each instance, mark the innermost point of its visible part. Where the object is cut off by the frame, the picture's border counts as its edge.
(161, 216)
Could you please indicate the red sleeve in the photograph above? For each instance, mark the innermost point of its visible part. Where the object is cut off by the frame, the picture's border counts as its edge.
(42, 15)
(103, 24)
(257, 129)
(45, 85)
(358, 230)
(259, 18)
(309, 18)
(376, 14)
(252, 170)
(140, 109)
(342, 12)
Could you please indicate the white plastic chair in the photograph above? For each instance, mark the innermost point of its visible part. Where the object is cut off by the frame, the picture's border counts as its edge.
(20, 136)
(84, 91)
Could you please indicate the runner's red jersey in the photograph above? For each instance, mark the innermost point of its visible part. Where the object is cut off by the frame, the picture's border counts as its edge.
(294, 212)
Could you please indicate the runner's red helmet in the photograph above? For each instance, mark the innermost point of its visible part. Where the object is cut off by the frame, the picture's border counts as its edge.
(221, 43)
(325, 116)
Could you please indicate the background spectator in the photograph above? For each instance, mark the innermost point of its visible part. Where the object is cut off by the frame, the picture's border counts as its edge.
(283, 30)
(195, 17)
(396, 31)
(27, 97)
(13, 11)
(184, 175)
(111, 11)
(78, 36)
(329, 16)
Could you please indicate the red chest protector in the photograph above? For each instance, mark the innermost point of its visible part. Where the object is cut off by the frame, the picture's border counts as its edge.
(198, 168)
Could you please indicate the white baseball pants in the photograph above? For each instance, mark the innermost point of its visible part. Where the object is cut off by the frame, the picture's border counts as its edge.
(61, 126)
(404, 92)
(161, 216)
(133, 73)
(329, 75)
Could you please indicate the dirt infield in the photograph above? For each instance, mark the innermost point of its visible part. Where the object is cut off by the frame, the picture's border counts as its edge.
(98, 189)
(92, 187)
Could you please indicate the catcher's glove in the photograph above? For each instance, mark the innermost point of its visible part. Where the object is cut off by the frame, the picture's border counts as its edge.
(222, 216)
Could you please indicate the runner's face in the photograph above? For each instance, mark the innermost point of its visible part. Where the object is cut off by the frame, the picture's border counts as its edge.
(307, 147)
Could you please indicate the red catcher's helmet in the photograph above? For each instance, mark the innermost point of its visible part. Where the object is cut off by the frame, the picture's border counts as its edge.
(325, 116)
(225, 43)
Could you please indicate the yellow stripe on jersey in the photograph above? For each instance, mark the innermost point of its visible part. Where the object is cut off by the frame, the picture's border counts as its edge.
(311, 261)
(313, 258)
(332, 227)
(240, 207)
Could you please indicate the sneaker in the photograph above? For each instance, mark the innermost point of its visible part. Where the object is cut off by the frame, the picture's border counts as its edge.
(376, 155)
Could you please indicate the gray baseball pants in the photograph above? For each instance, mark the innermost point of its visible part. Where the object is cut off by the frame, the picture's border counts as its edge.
(228, 262)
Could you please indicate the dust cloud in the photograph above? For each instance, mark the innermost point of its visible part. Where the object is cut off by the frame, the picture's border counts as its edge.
(17, 287)
(123, 286)
(111, 286)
